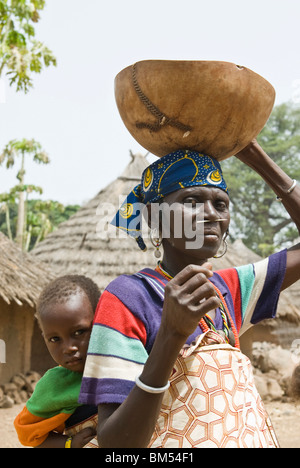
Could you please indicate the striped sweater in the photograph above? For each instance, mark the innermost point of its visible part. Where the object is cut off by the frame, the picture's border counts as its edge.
(129, 314)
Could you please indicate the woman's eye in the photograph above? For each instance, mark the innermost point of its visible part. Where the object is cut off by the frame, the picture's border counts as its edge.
(221, 205)
(190, 201)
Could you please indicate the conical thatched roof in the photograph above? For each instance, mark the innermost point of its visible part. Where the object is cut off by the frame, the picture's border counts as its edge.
(85, 245)
(22, 277)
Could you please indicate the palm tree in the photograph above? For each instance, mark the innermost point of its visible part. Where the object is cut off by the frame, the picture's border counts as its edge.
(19, 149)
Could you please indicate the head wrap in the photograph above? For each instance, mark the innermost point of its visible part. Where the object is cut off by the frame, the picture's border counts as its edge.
(170, 173)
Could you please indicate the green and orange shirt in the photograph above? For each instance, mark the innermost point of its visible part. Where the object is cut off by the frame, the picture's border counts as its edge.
(52, 407)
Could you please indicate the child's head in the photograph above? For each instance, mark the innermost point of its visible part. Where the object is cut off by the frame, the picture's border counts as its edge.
(65, 312)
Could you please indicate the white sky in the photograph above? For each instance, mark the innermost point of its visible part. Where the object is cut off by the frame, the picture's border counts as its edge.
(72, 109)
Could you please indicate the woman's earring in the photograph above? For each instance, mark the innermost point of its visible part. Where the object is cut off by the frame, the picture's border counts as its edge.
(156, 241)
(225, 246)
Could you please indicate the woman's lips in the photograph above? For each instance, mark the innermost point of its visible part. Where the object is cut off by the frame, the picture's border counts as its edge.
(211, 238)
(211, 234)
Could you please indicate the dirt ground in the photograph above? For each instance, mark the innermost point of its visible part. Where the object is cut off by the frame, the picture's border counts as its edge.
(285, 418)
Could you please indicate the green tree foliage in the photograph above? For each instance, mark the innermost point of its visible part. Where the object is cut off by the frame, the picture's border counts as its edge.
(23, 220)
(43, 217)
(258, 219)
(21, 54)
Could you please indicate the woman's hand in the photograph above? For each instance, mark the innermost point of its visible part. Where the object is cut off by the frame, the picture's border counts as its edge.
(188, 297)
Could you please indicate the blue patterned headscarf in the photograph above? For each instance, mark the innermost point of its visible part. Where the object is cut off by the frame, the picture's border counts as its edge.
(170, 173)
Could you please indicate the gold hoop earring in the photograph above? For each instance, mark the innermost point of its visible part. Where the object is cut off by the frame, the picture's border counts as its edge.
(225, 246)
(156, 241)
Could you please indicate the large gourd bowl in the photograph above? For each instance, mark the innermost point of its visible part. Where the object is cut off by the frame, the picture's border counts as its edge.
(216, 108)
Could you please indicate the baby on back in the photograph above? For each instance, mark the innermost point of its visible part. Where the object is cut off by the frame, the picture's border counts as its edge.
(65, 313)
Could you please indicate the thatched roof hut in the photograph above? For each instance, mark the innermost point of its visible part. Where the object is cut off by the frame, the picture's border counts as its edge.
(86, 243)
(22, 278)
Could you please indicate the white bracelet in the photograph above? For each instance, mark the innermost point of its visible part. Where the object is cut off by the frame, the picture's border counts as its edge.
(289, 190)
(148, 389)
(292, 187)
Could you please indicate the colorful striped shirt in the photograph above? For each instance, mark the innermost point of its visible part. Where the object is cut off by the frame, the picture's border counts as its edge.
(129, 314)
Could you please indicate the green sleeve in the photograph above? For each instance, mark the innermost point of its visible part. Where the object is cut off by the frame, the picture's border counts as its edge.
(56, 392)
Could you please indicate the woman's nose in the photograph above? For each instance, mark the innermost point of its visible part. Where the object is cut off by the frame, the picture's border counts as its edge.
(210, 213)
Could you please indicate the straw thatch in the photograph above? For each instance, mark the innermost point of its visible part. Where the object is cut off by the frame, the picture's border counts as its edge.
(84, 245)
(22, 277)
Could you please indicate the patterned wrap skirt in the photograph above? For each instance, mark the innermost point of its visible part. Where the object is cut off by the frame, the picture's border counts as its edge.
(212, 401)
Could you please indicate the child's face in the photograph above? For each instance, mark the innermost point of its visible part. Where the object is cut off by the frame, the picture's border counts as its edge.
(66, 330)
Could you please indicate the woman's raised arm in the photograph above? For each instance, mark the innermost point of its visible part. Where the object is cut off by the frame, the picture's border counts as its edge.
(286, 190)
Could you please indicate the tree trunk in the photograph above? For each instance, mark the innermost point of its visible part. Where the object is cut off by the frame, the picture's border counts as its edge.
(28, 239)
(21, 210)
(8, 224)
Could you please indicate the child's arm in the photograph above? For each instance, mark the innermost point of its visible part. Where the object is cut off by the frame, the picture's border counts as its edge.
(55, 440)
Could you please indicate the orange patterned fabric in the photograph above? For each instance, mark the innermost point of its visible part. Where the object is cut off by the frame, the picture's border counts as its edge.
(33, 431)
(212, 401)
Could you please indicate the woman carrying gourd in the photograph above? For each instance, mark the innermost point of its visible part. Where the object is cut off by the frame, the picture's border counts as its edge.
(164, 364)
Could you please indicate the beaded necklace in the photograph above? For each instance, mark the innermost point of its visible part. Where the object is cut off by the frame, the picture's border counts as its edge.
(206, 323)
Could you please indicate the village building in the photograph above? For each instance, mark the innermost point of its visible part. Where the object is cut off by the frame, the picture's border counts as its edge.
(22, 278)
(87, 244)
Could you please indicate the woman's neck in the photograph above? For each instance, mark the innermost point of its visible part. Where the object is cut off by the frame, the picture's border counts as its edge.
(174, 262)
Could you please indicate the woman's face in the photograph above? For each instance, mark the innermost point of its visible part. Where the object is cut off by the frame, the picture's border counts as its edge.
(182, 220)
